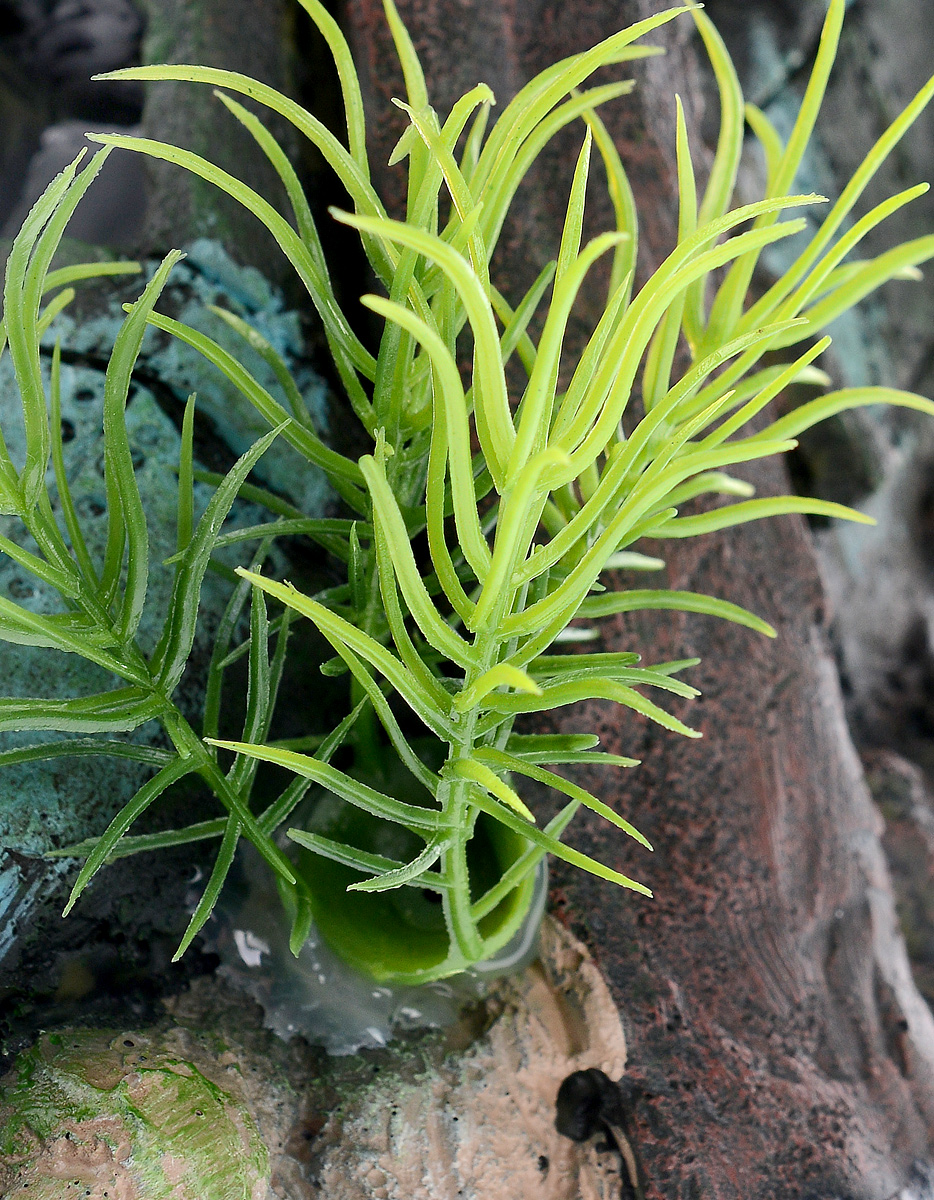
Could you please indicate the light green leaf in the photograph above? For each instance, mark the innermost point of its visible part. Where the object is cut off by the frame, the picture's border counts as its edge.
(411, 874)
(611, 603)
(522, 766)
(502, 675)
(359, 860)
(754, 510)
(117, 711)
(341, 633)
(356, 793)
(551, 844)
(585, 689)
(479, 773)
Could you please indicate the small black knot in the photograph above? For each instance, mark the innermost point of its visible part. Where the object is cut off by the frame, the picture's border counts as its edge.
(586, 1101)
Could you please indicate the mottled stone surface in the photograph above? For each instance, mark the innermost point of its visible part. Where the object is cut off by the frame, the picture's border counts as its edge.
(213, 1103)
(462, 1114)
(907, 806)
(124, 1115)
(77, 798)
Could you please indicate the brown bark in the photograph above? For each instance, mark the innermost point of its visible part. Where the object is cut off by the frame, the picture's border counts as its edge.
(782, 1045)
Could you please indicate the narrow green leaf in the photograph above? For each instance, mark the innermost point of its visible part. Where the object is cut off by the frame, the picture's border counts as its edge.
(586, 689)
(516, 321)
(863, 281)
(611, 603)
(524, 865)
(502, 675)
(390, 524)
(341, 634)
(479, 773)
(171, 653)
(411, 68)
(551, 844)
(65, 584)
(89, 270)
(630, 560)
(450, 408)
(21, 312)
(302, 920)
(769, 139)
(340, 470)
(727, 306)
(352, 173)
(272, 358)
(52, 309)
(356, 793)
(359, 860)
(120, 477)
(146, 842)
(754, 510)
(807, 415)
(585, 758)
(525, 744)
(63, 632)
(72, 524)
(305, 222)
(150, 791)
(722, 178)
(494, 422)
(83, 748)
(522, 766)
(259, 697)
(350, 356)
(220, 656)
(624, 209)
(537, 404)
(205, 905)
(117, 711)
(410, 874)
(277, 812)
(656, 374)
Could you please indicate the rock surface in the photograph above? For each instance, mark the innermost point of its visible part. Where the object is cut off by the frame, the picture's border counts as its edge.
(217, 1105)
(78, 799)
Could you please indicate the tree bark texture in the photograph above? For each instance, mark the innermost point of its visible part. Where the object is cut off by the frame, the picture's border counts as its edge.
(773, 1023)
(254, 39)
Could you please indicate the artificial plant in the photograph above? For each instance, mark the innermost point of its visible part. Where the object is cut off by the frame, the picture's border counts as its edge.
(478, 529)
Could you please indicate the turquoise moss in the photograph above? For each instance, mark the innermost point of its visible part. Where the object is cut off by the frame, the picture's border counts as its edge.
(59, 802)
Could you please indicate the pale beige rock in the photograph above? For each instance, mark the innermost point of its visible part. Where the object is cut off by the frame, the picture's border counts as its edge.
(479, 1123)
(462, 1114)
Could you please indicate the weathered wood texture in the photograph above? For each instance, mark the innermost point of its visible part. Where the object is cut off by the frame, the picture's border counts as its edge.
(771, 1015)
(254, 38)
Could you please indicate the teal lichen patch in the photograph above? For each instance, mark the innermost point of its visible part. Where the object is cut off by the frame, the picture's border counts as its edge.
(211, 278)
(57, 802)
(125, 1116)
(61, 801)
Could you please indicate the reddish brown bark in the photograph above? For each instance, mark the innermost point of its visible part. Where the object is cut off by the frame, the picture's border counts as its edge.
(782, 1045)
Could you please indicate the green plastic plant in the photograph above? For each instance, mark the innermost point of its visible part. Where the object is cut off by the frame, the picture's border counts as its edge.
(483, 521)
